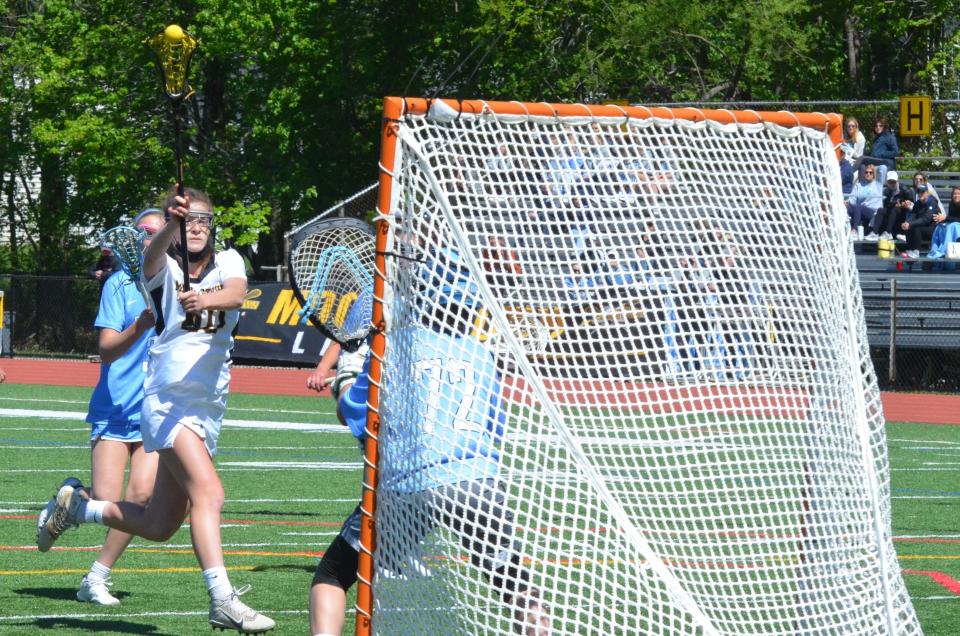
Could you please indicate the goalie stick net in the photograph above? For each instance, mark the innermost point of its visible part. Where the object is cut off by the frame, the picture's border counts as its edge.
(639, 330)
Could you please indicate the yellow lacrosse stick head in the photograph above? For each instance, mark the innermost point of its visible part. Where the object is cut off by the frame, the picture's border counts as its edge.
(173, 48)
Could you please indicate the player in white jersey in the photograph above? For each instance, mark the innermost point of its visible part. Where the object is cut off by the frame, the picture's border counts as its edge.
(185, 394)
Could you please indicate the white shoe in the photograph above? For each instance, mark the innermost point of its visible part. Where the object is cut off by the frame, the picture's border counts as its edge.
(886, 236)
(872, 236)
(901, 237)
(232, 613)
(96, 591)
(911, 254)
(44, 538)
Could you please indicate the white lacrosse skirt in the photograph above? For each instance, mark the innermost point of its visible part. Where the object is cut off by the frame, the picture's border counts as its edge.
(165, 414)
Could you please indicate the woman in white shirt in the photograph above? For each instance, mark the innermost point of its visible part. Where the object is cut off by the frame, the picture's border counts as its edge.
(853, 141)
(185, 397)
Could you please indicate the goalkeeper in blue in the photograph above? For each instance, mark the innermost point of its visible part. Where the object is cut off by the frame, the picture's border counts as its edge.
(448, 435)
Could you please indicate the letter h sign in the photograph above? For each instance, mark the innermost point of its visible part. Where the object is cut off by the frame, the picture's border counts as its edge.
(914, 116)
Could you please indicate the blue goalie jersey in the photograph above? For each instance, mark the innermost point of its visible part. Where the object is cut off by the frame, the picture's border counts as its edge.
(444, 412)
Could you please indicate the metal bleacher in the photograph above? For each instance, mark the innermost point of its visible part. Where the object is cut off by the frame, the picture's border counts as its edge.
(923, 306)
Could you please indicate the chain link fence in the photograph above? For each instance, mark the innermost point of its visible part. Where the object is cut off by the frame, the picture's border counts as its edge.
(913, 326)
(50, 314)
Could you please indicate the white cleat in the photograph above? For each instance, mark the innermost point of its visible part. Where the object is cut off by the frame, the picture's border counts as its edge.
(44, 538)
(232, 613)
(96, 591)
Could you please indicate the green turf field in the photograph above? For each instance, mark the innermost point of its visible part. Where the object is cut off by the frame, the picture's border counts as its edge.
(289, 483)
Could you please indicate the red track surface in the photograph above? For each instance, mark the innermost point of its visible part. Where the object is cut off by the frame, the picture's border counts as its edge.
(898, 407)
(259, 380)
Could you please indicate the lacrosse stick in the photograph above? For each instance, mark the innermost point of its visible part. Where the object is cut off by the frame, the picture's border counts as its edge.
(127, 243)
(331, 271)
(173, 47)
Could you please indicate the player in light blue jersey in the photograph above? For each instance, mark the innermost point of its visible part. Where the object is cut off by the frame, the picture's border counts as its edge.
(447, 433)
(126, 330)
(459, 427)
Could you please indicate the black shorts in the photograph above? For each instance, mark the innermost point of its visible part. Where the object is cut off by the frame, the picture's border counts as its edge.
(338, 566)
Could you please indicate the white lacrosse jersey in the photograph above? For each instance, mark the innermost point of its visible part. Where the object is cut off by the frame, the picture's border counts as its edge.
(197, 360)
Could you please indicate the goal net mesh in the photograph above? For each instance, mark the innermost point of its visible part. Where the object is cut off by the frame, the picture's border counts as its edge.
(626, 386)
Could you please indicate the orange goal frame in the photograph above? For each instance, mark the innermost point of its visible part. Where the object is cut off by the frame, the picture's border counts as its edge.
(394, 108)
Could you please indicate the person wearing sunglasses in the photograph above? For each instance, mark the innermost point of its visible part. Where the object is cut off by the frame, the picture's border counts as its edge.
(125, 326)
(864, 201)
(920, 178)
(853, 141)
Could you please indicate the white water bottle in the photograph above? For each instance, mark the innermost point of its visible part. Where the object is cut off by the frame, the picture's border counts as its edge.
(859, 232)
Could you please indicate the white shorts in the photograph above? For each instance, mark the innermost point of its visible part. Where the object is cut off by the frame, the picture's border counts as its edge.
(164, 414)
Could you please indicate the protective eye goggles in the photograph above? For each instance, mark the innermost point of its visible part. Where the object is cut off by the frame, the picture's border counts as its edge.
(201, 220)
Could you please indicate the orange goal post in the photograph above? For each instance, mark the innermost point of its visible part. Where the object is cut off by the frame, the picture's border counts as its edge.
(620, 381)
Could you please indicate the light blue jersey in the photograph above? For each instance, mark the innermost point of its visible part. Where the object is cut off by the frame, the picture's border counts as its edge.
(446, 426)
(114, 410)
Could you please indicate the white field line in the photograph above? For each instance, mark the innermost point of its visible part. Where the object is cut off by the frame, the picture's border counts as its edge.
(45, 446)
(153, 547)
(926, 441)
(924, 497)
(222, 467)
(100, 616)
(84, 403)
(290, 426)
(229, 501)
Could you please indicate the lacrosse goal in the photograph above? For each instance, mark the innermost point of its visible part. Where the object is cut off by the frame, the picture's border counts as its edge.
(621, 382)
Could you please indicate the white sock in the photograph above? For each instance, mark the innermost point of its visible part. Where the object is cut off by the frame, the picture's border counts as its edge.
(92, 510)
(98, 572)
(324, 634)
(218, 584)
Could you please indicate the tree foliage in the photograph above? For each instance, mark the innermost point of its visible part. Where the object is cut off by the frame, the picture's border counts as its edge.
(286, 117)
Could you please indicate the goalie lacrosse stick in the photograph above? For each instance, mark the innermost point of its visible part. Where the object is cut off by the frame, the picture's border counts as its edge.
(173, 48)
(127, 243)
(331, 272)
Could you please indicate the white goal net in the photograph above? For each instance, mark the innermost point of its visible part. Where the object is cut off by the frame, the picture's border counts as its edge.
(625, 386)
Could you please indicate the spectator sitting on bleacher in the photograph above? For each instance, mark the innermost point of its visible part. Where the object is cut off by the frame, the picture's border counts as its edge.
(616, 274)
(580, 285)
(854, 142)
(884, 149)
(919, 222)
(947, 229)
(918, 178)
(640, 264)
(889, 217)
(953, 210)
(865, 199)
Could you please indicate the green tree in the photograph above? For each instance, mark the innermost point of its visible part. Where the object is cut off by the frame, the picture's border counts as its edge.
(286, 115)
